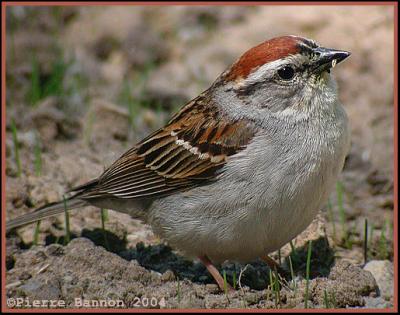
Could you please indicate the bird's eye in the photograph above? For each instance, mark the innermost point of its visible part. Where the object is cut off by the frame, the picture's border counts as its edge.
(286, 73)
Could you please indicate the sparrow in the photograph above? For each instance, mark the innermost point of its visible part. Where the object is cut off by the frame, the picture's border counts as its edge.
(241, 169)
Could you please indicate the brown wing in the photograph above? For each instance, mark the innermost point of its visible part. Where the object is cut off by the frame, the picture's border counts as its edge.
(186, 153)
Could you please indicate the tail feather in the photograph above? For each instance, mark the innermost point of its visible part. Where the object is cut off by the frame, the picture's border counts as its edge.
(44, 212)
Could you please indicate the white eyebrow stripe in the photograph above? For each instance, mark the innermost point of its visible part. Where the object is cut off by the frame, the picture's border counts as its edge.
(260, 74)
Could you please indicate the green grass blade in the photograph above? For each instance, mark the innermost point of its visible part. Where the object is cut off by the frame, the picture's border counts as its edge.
(365, 241)
(293, 252)
(292, 275)
(272, 285)
(67, 226)
(308, 274)
(326, 300)
(279, 256)
(271, 281)
(104, 218)
(277, 289)
(54, 86)
(371, 234)
(383, 251)
(331, 218)
(88, 128)
(342, 213)
(234, 279)
(16, 147)
(36, 234)
(333, 299)
(178, 290)
(225, 282)
(38, 157)
(34, 93)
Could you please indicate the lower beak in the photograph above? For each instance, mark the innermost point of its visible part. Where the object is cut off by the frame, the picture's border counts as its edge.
(327, 58)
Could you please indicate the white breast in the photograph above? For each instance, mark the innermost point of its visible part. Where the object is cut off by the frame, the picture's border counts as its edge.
(267, 195)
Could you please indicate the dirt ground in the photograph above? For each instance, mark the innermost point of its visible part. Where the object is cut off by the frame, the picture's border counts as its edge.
(85, 83)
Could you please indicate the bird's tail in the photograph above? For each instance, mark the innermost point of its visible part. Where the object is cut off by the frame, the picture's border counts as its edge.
(46, 211)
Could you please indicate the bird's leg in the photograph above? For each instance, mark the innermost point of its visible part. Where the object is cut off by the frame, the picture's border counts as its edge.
(273, 265)
(270, 262)
(215, 273)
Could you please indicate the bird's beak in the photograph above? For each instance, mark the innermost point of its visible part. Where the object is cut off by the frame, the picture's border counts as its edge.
(327, 58)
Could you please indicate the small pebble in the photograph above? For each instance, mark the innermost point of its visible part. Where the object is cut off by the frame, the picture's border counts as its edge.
(168, 276)
(25, 276)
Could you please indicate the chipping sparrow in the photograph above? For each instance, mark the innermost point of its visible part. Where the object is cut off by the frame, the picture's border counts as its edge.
(241, 169)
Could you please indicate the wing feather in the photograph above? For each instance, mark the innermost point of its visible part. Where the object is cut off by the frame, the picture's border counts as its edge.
(189, 151)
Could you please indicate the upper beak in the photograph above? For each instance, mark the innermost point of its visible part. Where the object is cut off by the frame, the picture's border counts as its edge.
(327, 58)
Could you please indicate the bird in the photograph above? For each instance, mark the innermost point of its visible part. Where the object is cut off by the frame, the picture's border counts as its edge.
(241, 169)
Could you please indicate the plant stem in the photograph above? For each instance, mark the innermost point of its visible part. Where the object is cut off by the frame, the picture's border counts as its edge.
(16, 147)
(67, 227)
(279, 256)
(326, 300)
(36, 235)
(308, 274)
(234, 279)
(277, 288)
(365, 241)
(178, 293)
(225, 282)
(342, 214)
(104, 217)
(293, 250)
(331, 218)
(292, 275)
(38, 157)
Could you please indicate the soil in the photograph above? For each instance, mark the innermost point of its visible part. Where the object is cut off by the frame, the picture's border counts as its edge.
(123, 72)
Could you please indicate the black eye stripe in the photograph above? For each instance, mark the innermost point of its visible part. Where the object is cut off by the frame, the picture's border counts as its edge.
(286, 73)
